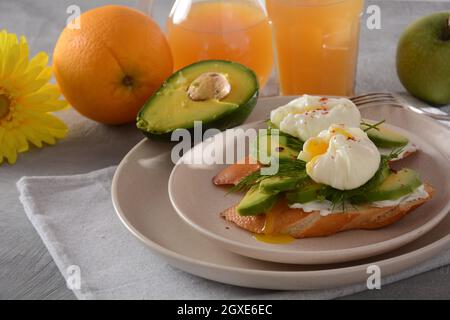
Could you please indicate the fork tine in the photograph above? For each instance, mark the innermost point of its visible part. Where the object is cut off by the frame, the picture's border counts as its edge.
(390, 99)
(375, 100)
(376, 97)
(380, 102)
(373, 94)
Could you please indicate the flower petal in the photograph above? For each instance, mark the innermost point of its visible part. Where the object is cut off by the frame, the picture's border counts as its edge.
(43, 135)
(21, 141)
(39, 60)
(31, 136)
(51, 90)
(47, 120)
(11, 155)
(24, 57)
(10, 58)
(50, 106)
(10, 147)
(33, 86)
(58, 133)
(28, 76)
(35, 98)
(46, 74)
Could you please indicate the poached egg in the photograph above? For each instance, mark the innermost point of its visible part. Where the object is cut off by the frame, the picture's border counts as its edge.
(307, 116)
(341, 157)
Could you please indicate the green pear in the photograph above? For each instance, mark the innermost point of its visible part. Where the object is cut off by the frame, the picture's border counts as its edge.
(423, 58)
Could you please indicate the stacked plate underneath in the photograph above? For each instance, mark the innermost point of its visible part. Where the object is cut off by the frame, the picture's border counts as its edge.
(203, 244)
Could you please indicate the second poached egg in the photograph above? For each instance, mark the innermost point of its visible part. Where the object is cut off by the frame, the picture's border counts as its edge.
(307, 116)
(341, 157)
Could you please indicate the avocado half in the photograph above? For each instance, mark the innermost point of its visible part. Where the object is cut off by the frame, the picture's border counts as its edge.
(172, 106)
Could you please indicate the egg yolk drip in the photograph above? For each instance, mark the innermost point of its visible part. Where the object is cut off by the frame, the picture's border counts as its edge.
(269, 235)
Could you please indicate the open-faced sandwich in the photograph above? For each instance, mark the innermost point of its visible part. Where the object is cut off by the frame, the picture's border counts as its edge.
(333, 174)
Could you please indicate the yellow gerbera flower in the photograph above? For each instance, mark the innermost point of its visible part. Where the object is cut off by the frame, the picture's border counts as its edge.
(26, 99)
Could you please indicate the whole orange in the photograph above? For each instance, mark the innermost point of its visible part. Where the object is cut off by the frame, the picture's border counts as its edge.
(112, 64)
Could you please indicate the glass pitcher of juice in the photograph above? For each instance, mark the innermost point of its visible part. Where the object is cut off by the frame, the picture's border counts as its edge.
(236, 30)
(316, 44)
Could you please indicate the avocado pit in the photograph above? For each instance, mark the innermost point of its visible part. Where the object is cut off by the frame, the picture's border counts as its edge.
(209, 85)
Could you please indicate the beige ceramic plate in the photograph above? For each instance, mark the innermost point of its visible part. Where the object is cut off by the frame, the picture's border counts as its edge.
(140, 197)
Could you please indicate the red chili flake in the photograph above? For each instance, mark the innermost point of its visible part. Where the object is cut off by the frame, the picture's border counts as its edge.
(324, 99)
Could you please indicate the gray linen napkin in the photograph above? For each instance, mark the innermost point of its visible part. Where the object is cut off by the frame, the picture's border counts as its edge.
(75, 218)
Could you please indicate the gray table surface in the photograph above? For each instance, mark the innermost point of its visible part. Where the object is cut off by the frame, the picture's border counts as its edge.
(26, 269)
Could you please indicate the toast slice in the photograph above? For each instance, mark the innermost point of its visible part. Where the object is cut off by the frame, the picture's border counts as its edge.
(299, 224)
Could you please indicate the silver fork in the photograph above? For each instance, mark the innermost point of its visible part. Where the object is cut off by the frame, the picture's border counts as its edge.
(396, 101)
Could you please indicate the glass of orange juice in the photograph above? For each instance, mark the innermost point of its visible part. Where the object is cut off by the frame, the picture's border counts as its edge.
(236, 30)
(316, 44)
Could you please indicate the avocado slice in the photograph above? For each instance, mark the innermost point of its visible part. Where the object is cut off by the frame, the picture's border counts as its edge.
(384, 137)
(307, 193)
(382, 174)
(221, 94)
(291, 141)
(397, 185)
(256, 202)
(280, 184)
(282, 151)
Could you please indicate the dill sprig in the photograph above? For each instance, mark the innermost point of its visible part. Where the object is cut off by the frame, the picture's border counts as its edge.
(286, 168)
(372, 126)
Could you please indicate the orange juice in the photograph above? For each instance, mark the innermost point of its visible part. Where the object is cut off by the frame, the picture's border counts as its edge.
(230, 30)
(317, 44)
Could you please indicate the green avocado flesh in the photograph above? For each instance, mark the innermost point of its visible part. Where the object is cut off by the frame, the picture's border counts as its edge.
(307, 193)
(385, 138)
(280, 184)
(171, 108)
(287, 148)
(256, 202)
(395, 186)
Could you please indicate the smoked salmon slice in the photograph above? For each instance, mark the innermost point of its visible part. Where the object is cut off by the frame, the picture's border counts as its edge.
(236, 172)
